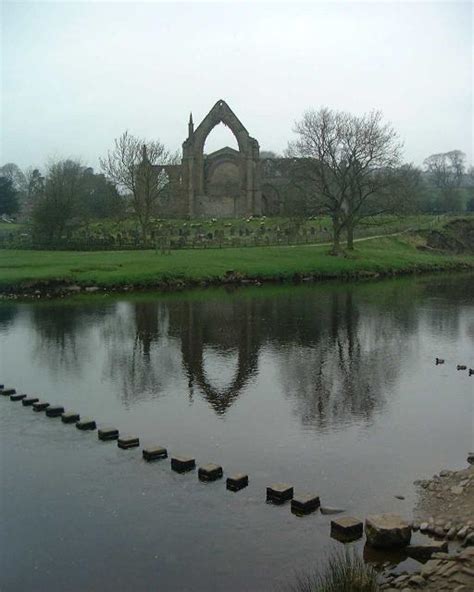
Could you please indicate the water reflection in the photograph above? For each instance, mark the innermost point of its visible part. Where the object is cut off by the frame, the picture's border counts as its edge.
(63, 334)
(8, 313)
(347, 369)
(141, 355)
(337, 350)
(225, 327)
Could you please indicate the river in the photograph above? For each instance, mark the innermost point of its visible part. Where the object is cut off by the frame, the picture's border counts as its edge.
(332, 388)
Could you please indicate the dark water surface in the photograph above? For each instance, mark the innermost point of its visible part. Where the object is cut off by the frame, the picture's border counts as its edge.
(332, 388)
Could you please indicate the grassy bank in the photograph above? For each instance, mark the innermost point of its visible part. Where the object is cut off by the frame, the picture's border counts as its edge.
(390, 255)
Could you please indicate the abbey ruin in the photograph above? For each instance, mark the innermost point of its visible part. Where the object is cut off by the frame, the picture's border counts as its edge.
(227, 183)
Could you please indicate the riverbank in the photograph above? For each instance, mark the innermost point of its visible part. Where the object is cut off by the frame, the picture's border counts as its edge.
(445, 512)
(58, 273)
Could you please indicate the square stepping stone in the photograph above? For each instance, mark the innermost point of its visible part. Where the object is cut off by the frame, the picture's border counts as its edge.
(86, 424)
(7, 392)
(181, 464)
(278, 493)
(237, 481)
(40, 405)
(346, 528)
(28, 401)
(128, 442)
(210, 472)
(305, 503)
(108, 434)
(17, 397)
(54, 410)
(70, 417)
(154, 453)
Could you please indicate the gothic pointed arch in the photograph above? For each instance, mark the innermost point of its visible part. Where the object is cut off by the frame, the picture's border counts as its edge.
(221, 113)
(247, 161)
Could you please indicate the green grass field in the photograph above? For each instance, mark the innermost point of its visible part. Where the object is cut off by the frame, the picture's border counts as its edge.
(386, 255)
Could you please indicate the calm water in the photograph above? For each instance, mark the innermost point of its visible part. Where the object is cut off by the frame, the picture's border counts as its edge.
(331, 388)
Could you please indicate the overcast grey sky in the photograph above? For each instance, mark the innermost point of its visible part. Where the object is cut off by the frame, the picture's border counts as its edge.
(75, 75)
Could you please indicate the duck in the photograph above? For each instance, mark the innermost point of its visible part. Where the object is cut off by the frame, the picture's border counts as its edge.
(471, 371)
(439, 361)
(461, 367)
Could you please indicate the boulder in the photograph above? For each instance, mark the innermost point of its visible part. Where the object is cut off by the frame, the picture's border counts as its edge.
(386, 531)
(424, 551)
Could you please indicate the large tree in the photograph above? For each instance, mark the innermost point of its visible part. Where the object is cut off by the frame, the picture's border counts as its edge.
(60, 199)
(136, 166)
(347, 162)
(446, 169)
(100, 197)
(13, 172)
(8, 197)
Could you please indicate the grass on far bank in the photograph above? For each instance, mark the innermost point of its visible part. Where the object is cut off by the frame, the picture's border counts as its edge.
(114, 268)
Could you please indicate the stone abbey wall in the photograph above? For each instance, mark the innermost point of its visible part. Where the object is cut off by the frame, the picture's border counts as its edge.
(227, 183)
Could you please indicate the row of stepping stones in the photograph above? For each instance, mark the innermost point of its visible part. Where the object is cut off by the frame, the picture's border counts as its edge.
(344, 529)
(278, 493)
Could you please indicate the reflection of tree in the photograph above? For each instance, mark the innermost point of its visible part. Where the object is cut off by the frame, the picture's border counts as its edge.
(227, 327)
(141, 356)
(64, 333)
(8, 313)
(342, 374)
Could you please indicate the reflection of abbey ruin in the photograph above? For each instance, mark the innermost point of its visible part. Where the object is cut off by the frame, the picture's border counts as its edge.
(226, 183)
(333, 352)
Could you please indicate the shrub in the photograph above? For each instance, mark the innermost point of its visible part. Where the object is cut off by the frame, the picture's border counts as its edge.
(343, 572)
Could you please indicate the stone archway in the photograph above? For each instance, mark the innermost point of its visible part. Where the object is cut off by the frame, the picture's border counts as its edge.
(246, 159)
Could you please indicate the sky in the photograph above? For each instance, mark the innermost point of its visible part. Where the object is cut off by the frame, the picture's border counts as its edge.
(75, 75)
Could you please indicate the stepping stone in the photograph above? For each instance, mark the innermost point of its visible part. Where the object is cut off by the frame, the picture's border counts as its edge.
(305, 503)
(108, 434)
(182, 464)
(210, 472)
(237, 481)
(346, 528)
(54, 411)
(28, 401)
(154, 453)
(70, 417)
(279, 493)
(128, 442)
(86, 424)
(7, 392)
(40, 405)
(17, 397)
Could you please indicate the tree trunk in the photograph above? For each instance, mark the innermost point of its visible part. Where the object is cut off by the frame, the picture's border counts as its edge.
(336, 236)
(350, 234)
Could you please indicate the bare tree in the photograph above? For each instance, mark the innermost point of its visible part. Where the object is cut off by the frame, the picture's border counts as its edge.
(136, 165)
(446, 170)
(348, 160)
